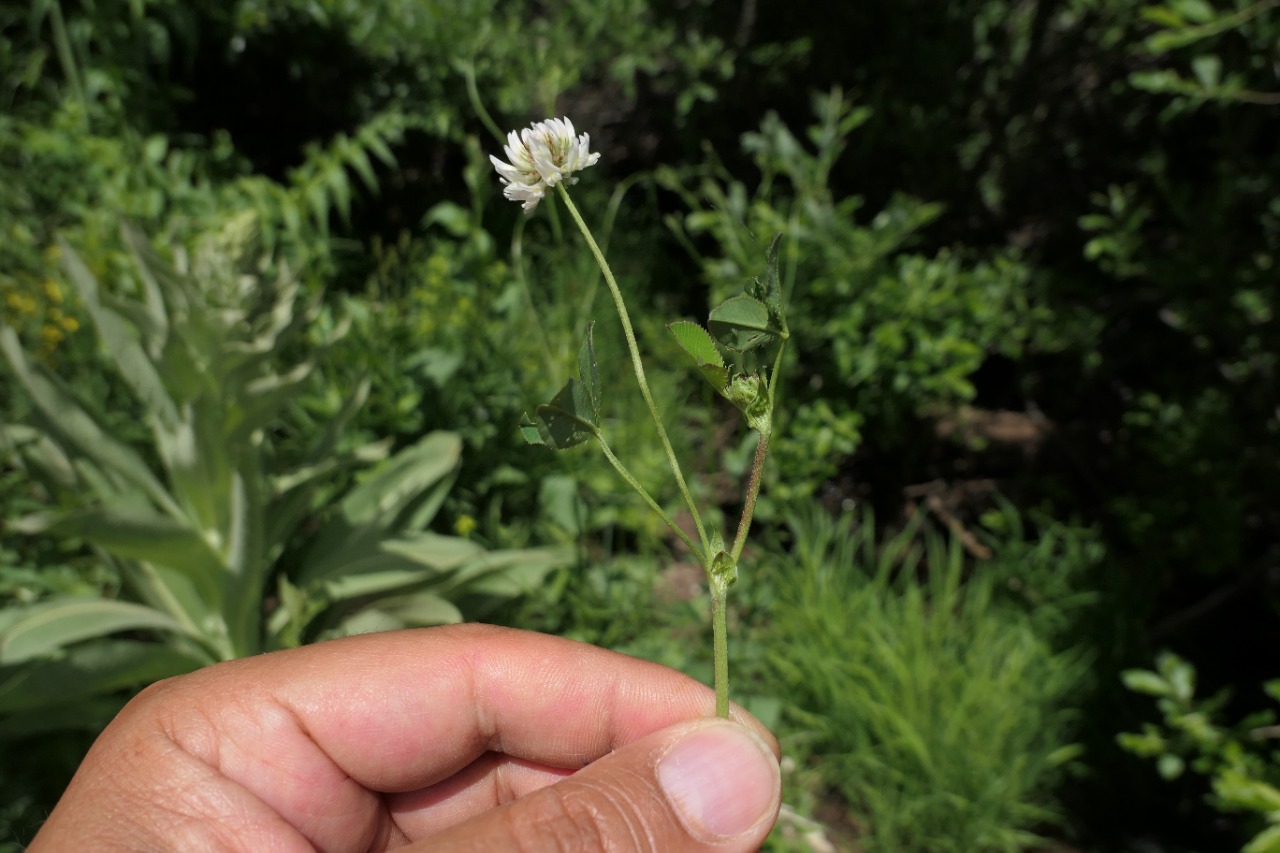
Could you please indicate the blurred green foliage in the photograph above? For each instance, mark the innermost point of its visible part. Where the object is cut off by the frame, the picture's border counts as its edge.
(1241, 761)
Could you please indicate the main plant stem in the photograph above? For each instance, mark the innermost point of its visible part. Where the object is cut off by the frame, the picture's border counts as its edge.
(638, 366)
(720, 645)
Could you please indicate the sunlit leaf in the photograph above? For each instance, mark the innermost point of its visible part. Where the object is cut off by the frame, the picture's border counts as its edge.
(123, 343)
(73, 423)
(40, 629)
(412, 610)
(409, 485)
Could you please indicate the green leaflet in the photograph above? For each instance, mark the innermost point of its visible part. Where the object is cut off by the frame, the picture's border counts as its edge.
(741, 323)
(699, 344)
(573, 415)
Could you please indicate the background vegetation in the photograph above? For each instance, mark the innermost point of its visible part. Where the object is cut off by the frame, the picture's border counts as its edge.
(255, 267)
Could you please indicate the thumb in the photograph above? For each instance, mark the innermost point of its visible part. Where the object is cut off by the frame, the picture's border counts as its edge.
(700, 785)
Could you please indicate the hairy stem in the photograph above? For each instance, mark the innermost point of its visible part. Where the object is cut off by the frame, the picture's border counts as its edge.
(638, 366)
(753, 491)
(643, 493)
(720, 645)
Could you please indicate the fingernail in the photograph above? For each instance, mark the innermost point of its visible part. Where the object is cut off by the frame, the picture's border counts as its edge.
(721, 779)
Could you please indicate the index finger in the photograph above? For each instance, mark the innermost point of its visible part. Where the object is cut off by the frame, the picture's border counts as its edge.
(403, 710)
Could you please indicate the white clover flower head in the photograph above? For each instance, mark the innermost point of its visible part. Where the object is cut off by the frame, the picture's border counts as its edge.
(542, 156)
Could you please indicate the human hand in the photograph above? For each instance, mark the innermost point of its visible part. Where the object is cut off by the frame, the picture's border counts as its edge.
(465, 737)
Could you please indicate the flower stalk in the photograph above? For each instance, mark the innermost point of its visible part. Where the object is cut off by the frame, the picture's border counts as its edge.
(637, 365)
(546, 156)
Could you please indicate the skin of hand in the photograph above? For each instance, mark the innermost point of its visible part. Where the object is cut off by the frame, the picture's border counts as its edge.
(461, 738)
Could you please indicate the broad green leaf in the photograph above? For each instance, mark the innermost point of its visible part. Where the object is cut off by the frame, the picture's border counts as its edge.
(375, 577)
(505, 574)
(412, 610)
(421, 610)
(69, 420)
(196, 455)
(1180, 675)
(451, 216)
(1163, 16)
(123, 343)
(396, 562)
(246, 558)
(371, 620)
(415, 479)
(560, 502)
(1195, 11)
(295, 490)
(43, 628)
(339, 548)
(741, 323)
(699, 344)
(573, 414)
(432, 550)
(358, 160)
(90, 668)
(144, 535)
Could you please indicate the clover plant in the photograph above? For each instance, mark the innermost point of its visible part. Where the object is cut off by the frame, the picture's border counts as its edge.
(742, 333)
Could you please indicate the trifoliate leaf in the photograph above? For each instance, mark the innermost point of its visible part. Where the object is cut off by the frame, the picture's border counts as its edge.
(564, 422)
(574, 413)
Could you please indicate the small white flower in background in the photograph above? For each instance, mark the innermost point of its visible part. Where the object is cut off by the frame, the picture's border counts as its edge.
(542, 156)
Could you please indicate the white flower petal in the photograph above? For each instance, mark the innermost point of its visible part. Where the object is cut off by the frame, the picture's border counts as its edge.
(541, 156)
